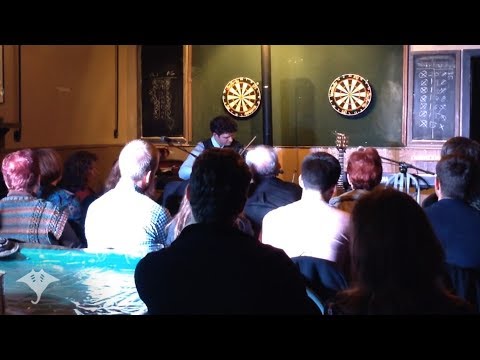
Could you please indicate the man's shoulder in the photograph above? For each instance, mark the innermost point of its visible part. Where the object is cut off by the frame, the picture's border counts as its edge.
(211, 236)
(343, 216)
(276, 183)
(278, 187)
(287, 186)
(146, 205)
(159, 209)
(48, 205)
(280, 211)
(115, 199)
(273, 255)
(204, 143)
(236, 145)
(99, 201)
(454, 207)
(155, 259)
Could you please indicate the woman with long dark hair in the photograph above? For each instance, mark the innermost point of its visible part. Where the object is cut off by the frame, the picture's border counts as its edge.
(397, 261)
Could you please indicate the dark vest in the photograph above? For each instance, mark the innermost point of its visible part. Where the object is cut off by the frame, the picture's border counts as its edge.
(235, 145)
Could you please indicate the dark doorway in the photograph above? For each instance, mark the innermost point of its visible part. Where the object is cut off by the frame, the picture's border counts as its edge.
(162, 90)
(475, 99)
(471, 94)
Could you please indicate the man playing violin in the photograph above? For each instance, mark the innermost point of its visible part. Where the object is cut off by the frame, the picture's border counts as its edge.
(223, 129)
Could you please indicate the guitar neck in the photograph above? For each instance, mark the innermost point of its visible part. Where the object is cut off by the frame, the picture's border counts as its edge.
(341, 154)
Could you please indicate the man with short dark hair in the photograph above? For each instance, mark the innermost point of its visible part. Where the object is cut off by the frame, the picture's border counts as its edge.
(455, 223)
(310, 226)
(223, 130)
(214, 268)
(469, 148)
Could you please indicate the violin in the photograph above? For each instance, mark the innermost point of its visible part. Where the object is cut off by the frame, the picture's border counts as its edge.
(247, 146)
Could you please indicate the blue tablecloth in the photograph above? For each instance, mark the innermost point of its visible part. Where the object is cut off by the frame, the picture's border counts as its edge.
(70, 281)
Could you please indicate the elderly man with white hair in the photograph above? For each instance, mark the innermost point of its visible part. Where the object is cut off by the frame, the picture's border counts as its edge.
(267, 192)
(125, 218)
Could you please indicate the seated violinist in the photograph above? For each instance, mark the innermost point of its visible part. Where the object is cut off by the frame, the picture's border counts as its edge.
(223, 130)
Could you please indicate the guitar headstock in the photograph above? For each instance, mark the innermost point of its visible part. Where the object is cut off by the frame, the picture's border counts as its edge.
(341, 141)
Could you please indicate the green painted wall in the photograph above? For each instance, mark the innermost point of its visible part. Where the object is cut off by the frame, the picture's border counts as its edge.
(301, 76)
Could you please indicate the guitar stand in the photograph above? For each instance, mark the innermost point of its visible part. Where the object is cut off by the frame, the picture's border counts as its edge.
(403, 181)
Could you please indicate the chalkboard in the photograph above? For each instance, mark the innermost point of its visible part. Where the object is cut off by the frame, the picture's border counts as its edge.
(434, 91)
(162, 91)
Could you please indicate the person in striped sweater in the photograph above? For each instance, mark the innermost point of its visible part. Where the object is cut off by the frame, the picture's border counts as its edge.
(23, 216)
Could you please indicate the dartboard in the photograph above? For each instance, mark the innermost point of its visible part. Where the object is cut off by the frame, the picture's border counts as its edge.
(350, 94)
(241, 97)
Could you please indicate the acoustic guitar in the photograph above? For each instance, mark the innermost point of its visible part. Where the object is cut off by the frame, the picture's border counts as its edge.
(341, 142)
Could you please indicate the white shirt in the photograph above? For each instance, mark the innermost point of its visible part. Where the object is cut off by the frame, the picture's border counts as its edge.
(127, 221)
(307, 228)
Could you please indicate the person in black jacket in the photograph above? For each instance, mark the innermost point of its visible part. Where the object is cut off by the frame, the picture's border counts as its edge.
(214, 268)
(267, 192)
(455, 223)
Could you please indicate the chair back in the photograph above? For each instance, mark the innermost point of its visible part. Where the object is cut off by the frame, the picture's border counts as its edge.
(316, 299)
(465, 283)
(321, 276)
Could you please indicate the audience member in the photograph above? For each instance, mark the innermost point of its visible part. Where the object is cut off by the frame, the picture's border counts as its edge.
(397, 261)
(267, 192)
(310, 227)
(212, 267)
(456, 224)
(124, 218)
(364, 173)
(469, 148)
(3, 188)
(223, 130)
(185, 217)
(173, 194)
(113, 177)
(79, 175)
(51, 171)
(23, 216)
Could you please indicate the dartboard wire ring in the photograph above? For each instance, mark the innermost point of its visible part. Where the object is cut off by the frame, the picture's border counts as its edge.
(350, 94)
(241, 97)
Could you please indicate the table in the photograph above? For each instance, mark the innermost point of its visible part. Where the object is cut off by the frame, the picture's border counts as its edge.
(49, 280)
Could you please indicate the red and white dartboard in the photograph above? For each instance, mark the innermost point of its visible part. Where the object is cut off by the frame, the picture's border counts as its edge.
(350, 94)
(241, 97)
